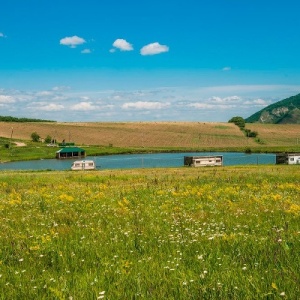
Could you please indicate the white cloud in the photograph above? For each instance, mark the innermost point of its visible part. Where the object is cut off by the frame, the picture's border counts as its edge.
(258, 102)
(226, 69)
(145, 105)
(44, 93)
(86, 51)
(261, 102)
(215, 107)
(72, 41)
(58, 98)
(85, 98)
(6, 99)
(83, 106)
(60, 88)
(51, 107)
(201, 105)
(211, 103)
(122, 45)
(225, 99)
(154, 48)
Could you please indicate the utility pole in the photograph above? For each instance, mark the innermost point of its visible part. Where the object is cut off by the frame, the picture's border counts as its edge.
(11, 134)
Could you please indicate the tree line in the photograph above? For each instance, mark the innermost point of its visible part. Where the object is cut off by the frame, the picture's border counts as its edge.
(15, 119)
(241, 123)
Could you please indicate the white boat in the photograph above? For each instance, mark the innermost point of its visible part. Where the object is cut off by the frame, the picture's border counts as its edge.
(201, 161)
(83, 165)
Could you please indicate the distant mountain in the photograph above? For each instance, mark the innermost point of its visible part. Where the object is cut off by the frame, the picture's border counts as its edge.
(286, 111)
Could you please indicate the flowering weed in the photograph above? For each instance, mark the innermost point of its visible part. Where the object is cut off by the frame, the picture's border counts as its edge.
(186, 233)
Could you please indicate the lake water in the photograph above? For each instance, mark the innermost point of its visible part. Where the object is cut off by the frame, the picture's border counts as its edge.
(131, 161)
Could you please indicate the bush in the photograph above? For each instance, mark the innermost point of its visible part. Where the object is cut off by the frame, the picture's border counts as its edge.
(48, 139)
(248, 150)
(35, 137)
(253, 134)
(247, 132)
(238, 121)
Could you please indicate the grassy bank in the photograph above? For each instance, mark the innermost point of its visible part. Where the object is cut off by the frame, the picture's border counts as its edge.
(184, 233)
(34, 151)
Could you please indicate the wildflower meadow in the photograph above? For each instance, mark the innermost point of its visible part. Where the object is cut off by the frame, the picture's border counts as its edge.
(177, 233)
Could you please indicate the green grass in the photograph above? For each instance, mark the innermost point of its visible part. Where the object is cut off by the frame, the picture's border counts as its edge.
(182, 233)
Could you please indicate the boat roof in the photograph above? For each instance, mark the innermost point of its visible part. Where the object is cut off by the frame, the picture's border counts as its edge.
(83, 160)
(70, 149)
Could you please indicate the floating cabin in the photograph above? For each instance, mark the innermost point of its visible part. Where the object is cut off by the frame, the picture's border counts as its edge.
(288, 158)
(293, 159)
(83, 165)
(70, 152)
(202, 161)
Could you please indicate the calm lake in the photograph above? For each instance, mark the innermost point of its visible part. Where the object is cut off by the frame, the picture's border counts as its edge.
(141, 161)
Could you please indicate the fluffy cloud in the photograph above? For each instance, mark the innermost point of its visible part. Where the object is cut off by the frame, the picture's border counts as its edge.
(261, 102)
(122, 45)
(154, 48)
(84, 106)
(145, 105)
(44, 94)
(258, 102)
(6, 99)
(51, 107)
(226, 69)
(229, 99)
(216, 106)
(72, 41)
(60, 88)
(86, 51)
(201, 105)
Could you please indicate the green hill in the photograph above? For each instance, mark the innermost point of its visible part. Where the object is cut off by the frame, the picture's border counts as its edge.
(286, 111)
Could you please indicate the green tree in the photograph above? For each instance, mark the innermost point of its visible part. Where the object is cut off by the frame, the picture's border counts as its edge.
(238, 121)
(253, 134)
(48, 139)
(35, 137)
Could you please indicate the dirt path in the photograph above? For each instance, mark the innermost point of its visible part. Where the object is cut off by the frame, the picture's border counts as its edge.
(19, 144)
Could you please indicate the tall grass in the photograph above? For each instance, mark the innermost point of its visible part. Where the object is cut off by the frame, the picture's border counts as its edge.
(186, 233)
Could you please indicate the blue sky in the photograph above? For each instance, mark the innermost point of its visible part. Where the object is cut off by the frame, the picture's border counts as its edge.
(134, 60)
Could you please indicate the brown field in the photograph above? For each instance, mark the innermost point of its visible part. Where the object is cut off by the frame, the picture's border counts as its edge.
(277, 134)
(156, 134)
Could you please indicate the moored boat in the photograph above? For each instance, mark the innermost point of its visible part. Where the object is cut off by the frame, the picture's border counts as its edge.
(83, 165)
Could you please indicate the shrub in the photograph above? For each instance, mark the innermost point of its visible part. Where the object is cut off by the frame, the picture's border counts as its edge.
(248, 150)
(253, 134)
(35, 137)
(48, 139)
(238, 121)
